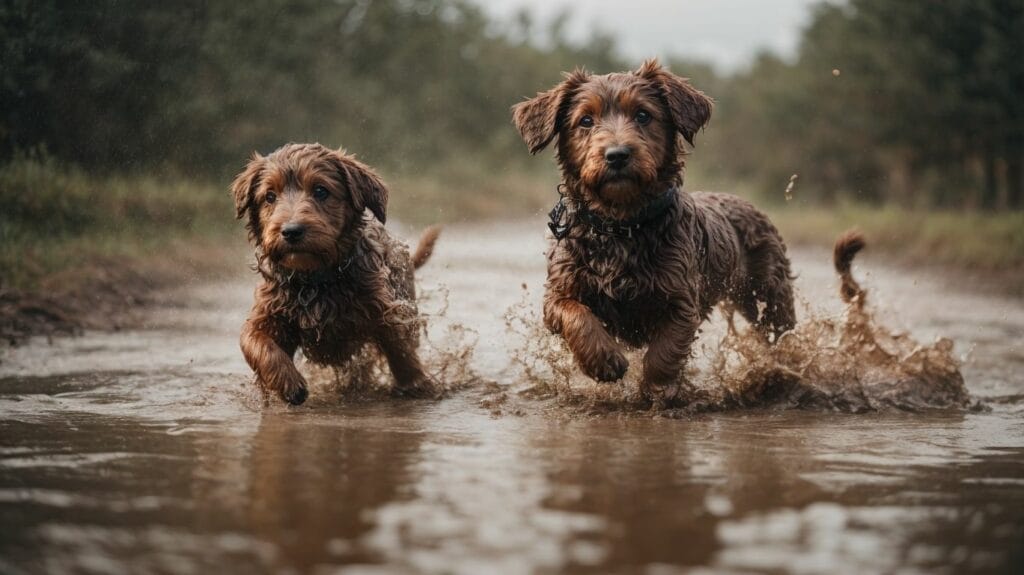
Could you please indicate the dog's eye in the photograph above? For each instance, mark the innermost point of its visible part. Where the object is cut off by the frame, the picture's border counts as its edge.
(643, 118)
(271, 197)
(587, 121)
(320, 193)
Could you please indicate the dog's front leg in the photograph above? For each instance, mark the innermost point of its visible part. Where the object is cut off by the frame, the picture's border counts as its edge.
(272, 360)
(667, 354)
(597, 352)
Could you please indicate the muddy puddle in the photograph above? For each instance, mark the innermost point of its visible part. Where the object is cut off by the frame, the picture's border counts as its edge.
(149, 451)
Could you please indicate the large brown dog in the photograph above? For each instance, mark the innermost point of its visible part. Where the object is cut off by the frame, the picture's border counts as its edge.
(333, 280)
(634, 258)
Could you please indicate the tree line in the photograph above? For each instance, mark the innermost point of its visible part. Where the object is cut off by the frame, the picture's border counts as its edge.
(907, 102)
(917, 103)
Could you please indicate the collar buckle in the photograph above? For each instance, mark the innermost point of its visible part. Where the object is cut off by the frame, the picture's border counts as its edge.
(559, 228)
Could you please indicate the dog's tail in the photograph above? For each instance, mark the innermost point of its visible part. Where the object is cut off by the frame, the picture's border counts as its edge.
(426, 246)
(846, 248)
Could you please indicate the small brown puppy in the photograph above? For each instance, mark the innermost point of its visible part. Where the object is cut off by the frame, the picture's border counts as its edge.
(634, 258)
(332, 279)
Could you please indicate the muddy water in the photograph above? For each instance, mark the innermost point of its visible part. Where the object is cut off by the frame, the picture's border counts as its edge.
(148, 451)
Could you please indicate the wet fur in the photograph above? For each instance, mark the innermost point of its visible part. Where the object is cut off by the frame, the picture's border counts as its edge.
(657, 287)
(846, 248)
(351, 285)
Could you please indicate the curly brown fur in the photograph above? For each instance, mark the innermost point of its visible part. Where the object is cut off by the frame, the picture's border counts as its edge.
(332, 279)
(619, 146)
(847, 247)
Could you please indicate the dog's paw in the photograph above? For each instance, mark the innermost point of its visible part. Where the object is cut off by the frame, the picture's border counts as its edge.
(294, 394)
(661, 396)
(423, 387)
(606, 365)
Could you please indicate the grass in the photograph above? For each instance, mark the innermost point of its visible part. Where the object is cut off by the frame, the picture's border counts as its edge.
(57, 220)
(62, 224)
(465, 193)
(984, 242)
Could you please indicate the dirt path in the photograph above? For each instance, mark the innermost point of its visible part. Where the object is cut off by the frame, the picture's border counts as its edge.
(147, 451)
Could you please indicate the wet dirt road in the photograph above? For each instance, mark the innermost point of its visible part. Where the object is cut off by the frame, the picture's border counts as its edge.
(147, 451)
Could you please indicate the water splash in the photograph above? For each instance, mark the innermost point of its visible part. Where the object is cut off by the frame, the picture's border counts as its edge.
(446, 350)
(849, 363)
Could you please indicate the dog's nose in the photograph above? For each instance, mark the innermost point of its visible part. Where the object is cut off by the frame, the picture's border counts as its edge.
(293, 232)
(617, 156)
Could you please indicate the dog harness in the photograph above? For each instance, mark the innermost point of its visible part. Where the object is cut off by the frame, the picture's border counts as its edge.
(563, 220)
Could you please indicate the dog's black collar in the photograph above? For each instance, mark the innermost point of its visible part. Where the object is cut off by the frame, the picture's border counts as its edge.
(562, 220)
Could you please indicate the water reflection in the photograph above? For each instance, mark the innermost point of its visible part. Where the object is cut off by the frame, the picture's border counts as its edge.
(313, 483)
(479, 504)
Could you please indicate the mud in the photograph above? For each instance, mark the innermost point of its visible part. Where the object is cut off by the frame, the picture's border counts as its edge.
(853, 446)
(110, 294)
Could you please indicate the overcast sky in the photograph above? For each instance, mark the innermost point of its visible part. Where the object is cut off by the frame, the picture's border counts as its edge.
(727, 33)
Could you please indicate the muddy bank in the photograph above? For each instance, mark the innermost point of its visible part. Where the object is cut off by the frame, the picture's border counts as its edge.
(972, 250)
(106, 298)
(110, 294)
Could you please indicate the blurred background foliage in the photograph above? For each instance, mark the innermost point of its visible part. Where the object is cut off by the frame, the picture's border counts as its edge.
(911, 105)
(914, 103)
(413, 87)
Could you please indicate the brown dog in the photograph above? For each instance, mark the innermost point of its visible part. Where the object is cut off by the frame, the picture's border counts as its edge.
(333, 280)
(634, 258)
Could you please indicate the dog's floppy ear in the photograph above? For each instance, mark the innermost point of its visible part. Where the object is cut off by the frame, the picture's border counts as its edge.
(689, 107)
(244, 186)
(539, 118)
(366, 187)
